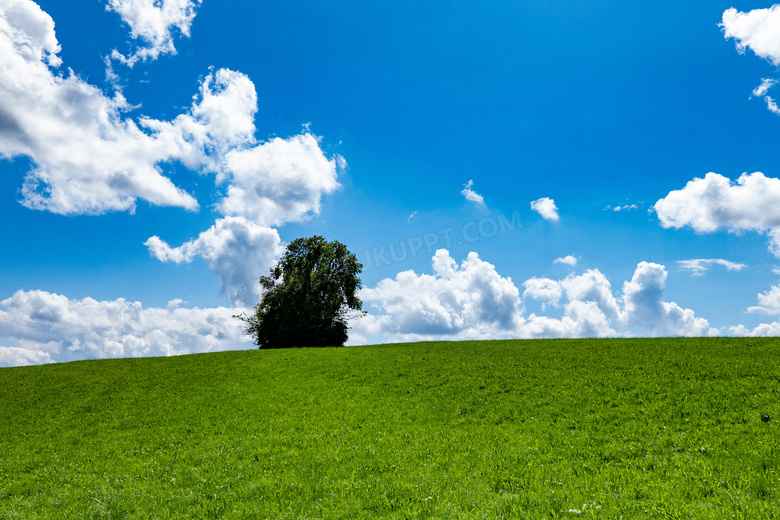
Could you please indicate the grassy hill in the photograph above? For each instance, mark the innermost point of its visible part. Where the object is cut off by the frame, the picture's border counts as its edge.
(499, 429)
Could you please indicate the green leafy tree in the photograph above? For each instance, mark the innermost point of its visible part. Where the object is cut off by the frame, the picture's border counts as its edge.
(308, 297)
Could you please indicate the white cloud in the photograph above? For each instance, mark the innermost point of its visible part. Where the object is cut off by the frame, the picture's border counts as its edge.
(50, 327)
(414, 214)
(545, 290)
(771, 104)
(591, 309)
(268, 184)
(590, 320)
(646, 311)
(768, 302)
(593, 286)
(758, 30)
(153, 21)
(89, 156)
(714, 202)
(272, 183)
(546, 208)
(473, 301)
(222, 115)
(29, 32)
(762, 92)
(17, 357)
(699, 266)
(762, 330)
(279, 181)
(472, 195)
(568, 260)
(466, 301)
(763, 88)
(236, 249)
(626, 207)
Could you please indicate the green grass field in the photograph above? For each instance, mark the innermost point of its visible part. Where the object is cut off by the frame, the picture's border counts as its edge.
(499, 429)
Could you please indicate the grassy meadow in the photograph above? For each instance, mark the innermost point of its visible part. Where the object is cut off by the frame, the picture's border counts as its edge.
(623, 428)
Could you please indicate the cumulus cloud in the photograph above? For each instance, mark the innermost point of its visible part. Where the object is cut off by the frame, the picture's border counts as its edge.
(546, 208)
(153, 22)
(279, 181)
(758, 30)
(545, 290)
(714, 202)
(768, 303)
(236, 249)
(471, 195)
(646, 311)
(50, 327)
(591, 309)
(699, 266)
(89, 156)
(269, 184)
(593, 286)
(471, 301)
(16, 357)
(761, 330)
(582, 319)
(220, 119)
(467, 300)
(568, 260)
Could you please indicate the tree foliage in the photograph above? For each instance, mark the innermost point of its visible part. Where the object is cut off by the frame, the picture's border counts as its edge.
(308, 297)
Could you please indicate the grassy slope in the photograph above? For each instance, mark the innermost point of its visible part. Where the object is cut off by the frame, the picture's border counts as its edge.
(515, 429)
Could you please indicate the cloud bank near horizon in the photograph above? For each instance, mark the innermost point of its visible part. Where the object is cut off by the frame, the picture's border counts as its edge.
(49, 328)
(466, 301)
(472, 301)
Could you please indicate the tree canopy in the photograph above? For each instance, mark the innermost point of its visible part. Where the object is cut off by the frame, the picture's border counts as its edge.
(307, 297)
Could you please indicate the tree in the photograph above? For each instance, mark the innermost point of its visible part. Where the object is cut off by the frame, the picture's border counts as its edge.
(308, 297)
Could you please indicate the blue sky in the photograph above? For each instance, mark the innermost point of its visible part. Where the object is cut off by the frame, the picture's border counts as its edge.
(227, 129)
